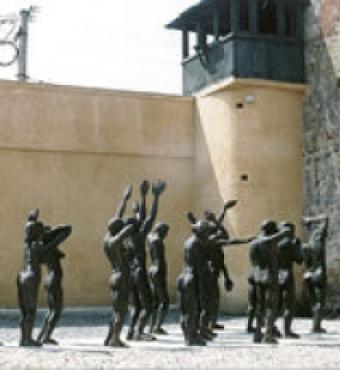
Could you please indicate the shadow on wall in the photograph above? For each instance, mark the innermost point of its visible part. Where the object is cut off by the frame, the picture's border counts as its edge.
(321, 146)
(212, 194)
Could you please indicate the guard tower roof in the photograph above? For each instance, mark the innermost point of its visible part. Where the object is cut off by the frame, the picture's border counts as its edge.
(202, 13)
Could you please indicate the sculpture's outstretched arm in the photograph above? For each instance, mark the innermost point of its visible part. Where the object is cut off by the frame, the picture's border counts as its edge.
(144, 188)
(192, 219)
(228, 205)
(122, 206)
(157, 190)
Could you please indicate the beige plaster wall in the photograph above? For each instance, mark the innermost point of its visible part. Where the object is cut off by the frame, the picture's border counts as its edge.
(71, 152)
(262, 140)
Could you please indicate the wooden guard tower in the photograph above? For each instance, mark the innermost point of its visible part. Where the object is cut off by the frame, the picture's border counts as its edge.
(243, 39)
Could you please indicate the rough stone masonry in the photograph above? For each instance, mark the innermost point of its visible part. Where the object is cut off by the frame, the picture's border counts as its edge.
(322, 128)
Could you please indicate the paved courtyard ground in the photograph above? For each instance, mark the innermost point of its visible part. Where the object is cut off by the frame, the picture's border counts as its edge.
(81, 335)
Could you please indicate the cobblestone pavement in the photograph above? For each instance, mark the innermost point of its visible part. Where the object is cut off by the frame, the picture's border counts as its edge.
(81, 334)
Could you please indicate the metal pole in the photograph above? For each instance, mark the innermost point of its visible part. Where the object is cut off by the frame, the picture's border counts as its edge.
(23, 40)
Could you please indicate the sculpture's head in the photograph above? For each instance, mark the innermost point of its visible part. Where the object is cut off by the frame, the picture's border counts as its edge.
(115, 225)
(209, 215)
(33, 215)
(287, 225)
(136, 208)
(132, 221)
(203, 229)
(269, 227)
(162, 229)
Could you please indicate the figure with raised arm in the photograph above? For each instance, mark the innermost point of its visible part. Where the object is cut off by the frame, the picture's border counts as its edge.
(158, 278)
(53, 282)
(315, 275)
(217, 262)
(142, 296)
(264, 260)
(120, 277)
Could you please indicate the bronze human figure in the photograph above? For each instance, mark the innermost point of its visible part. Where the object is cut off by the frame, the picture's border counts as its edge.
(315, 275)
(135, 243)
(216, 257)
(53, 282)
(120, 279)
(194, 283)
(289, 251)
(29, 279)
(158, 278)
(264, 260)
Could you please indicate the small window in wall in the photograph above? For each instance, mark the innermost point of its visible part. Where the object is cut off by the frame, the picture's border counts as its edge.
(244, 18)
(290, 18)
(267, 17)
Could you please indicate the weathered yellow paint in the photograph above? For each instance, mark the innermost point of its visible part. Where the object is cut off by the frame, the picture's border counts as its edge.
(71, 151)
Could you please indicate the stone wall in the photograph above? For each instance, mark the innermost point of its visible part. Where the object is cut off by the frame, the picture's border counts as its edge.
(322, 127)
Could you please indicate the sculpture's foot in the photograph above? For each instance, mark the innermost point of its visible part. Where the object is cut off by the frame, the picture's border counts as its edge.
(130, 335)
(50, 341)
(213, 334)
(195, 342)
(144, 337)
(270, 340)
(292, 335)
(160, 331)
(257, 338)
(319, 331)
(276, 332)
(117, 343)
(30, 343)
(218, 326)
(207, 334)
(251, 330)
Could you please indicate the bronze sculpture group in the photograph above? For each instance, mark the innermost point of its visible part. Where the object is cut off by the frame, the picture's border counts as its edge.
(40, 247)
(273, 253)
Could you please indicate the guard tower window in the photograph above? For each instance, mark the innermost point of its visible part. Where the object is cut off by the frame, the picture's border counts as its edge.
(267, 17)
(244, 18)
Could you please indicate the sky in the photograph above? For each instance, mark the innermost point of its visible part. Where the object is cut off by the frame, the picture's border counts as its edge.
(116, 44)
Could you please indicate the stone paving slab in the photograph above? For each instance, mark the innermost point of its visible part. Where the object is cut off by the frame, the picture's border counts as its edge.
(81, 348)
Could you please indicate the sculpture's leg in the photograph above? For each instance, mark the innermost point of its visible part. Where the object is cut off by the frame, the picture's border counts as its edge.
(318, 309)
(135, 311)
(289, 309)
(27, 297)
(280, 310)
(55, 305)
(110, 332)
(52, 322)
(163, 306)
(155, 303)
(192, 317)
(119, 314)
(271, 314)
(215, 304)
(206, 301)
(260, 306)
(181, 291)
(146, 305)
(251, 308)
